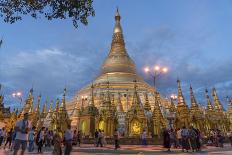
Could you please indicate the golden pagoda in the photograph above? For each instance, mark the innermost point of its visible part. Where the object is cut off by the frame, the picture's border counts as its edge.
(147, 106)
(158, 119)
(196, 114)
(44, 110)
(86, 117)
(182, 112)
(28, 106)
(229, 111)
(210, 115)
(48, 119)
(220, 113)
(54, 124)
(135, 118)
(36, 114)
(120, 71)
(63, 117)
(107, 117)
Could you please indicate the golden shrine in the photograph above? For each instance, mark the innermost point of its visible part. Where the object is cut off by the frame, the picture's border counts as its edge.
(120, 99)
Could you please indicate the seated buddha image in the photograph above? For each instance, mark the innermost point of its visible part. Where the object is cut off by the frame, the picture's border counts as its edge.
(135, 127)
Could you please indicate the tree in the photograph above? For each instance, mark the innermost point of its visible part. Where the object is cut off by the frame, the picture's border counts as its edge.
(78, 10)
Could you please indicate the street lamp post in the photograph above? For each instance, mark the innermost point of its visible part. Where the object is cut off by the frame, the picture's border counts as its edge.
(155, 72)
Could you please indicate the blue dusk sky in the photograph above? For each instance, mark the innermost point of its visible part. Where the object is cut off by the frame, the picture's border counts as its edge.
(192, 38)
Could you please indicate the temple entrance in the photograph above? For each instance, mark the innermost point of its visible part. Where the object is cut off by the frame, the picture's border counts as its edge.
(135, 127)
(83, 127)
(101, 125)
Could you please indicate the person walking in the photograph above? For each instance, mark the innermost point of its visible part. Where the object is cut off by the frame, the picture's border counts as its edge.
(68, 137)
(40, 139)
(1, 136)
(99, 138)
(116, 139)
(74, 141)
(31, 139)
(103, 138)
(79, 138)
(9, 138)
(193, 138)
(230, 137)
(179, 137)
(13, 139)
(21, 129)
(96, 137)
(57, 143)
(185, 139)
(166, 139)
(144, 138)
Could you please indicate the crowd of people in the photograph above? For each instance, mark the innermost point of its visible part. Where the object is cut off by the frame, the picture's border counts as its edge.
(192, 139)
(23, 136)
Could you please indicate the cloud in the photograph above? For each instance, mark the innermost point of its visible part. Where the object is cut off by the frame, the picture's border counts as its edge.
(186, 57)
(48, 71)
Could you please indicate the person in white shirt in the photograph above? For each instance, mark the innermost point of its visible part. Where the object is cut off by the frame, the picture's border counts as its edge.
(21, 129)
(68, 137)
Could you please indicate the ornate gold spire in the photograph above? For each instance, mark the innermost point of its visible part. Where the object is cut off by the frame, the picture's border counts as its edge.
(118, 60)
(119, 103)
(50, 106)
(57, 105)
(92, 96)
(209, 104)
(36, 114)
(45, 107)
(50, 111)
(136, 99)
(192, 98)
(182, 109)
(158, 118)
(147, 106)
(44, 110)
(218, 105)
(229, 104)
(172, 106)
(37, 109)
(63, 104)
(181, 100)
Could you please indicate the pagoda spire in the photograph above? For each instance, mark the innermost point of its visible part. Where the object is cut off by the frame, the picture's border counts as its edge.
(209, 104)
(37, 110)
(172, 106)
(92, 96)
(118, 41)
(229, 104)
(147, 105)
(181, 100)
(158, 119)
(136, 99)
(63, 104)
(218, 105)
(119, 103)
(118, 59)
(50, 106)
(192, 97)
(57, 105)
(44, 107)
